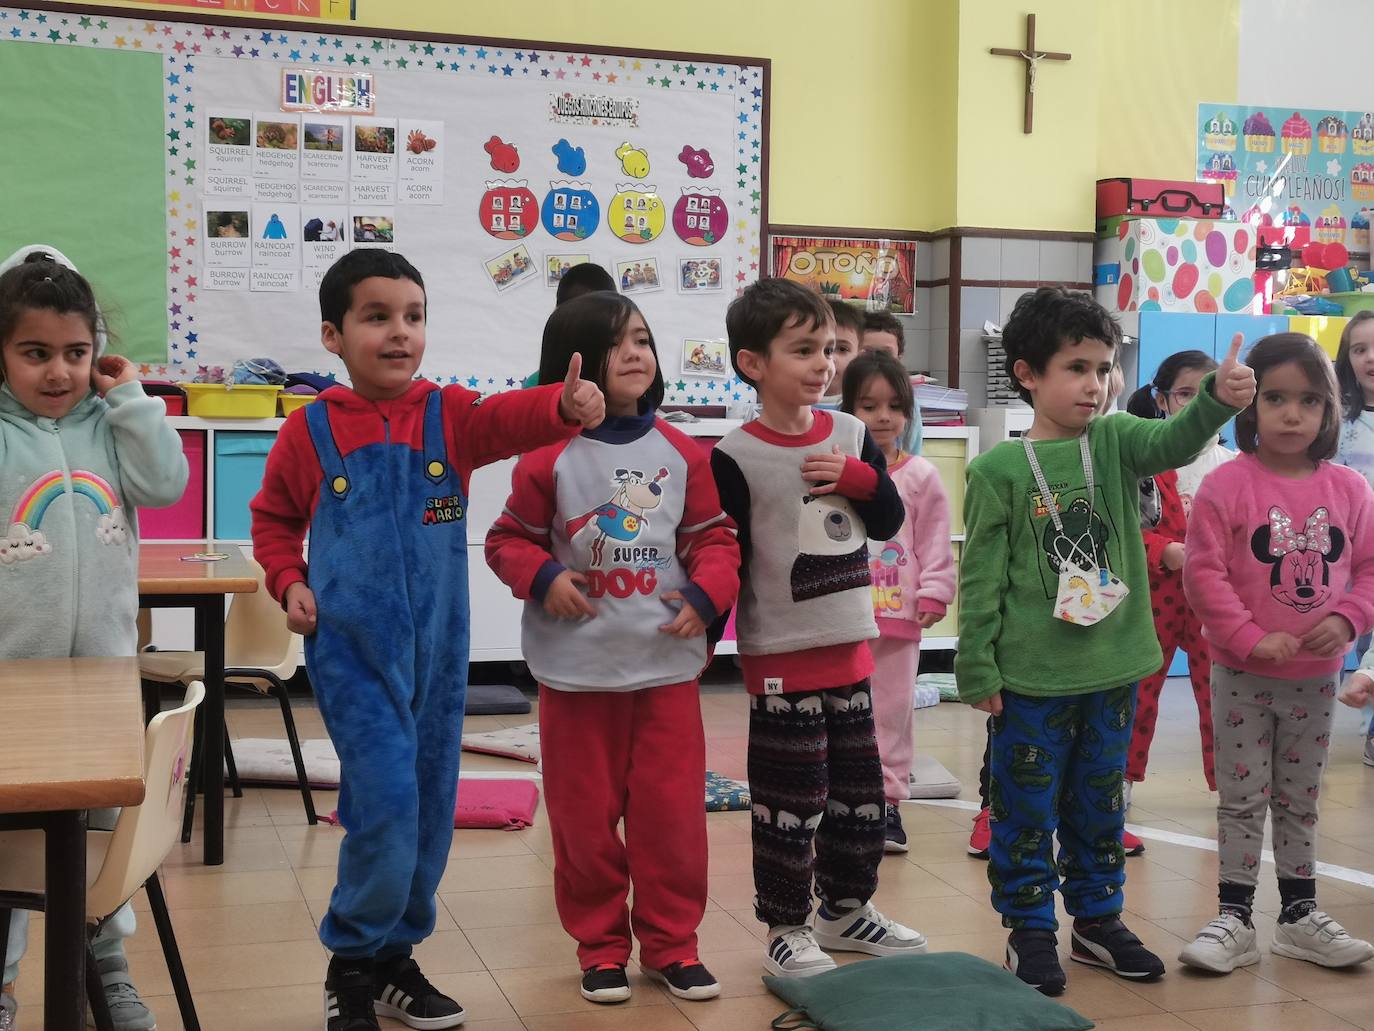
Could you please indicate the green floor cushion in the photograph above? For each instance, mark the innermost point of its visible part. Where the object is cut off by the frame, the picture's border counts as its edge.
(724, 794)
(946, 991)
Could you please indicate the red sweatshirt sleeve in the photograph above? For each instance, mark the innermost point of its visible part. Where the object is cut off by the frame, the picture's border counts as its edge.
(1208, 575)
(283, 506)
(485, 430)
(518, 546)
(707, 542)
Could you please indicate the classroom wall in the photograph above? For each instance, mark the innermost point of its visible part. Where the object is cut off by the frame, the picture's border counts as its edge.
(892, 114)
(1153, 75)
(853, 123)
(1007, 179)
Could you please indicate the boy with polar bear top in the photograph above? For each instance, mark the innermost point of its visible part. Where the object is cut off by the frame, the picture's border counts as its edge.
(807, 488)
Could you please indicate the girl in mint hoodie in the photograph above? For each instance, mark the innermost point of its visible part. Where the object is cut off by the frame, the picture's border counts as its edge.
(81, 447)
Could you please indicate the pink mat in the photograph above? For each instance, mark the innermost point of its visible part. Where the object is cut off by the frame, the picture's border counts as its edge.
(489, 804)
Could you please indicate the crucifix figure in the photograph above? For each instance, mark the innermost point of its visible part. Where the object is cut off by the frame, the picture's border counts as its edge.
(1032, 57)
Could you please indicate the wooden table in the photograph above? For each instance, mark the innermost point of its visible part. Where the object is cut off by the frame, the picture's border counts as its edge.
(166, 580)
(73, 742)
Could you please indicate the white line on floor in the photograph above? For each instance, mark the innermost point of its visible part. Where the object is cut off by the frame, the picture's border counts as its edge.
(1339, 873)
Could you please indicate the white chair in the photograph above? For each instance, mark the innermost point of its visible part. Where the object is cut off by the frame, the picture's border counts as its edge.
(120, 861)
(261, 653)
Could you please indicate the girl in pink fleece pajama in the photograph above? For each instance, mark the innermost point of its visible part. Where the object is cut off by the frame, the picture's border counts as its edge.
(913, 573)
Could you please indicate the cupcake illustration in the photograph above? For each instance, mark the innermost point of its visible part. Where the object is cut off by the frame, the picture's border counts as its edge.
(1359, 230)
(1330, 226)
(1258, 133)
(1362, 136)
(1296, 137)
(1331, 135)
(1220, 168)
(1221, 132)
(1362, 181)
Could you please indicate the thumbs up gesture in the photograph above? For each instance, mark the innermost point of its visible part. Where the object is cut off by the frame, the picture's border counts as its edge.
(1235, 382)
(583, 401)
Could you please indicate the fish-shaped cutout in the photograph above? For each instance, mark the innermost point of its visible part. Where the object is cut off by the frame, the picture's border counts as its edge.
(571, 160)
(504, 156)
(698, 162)
(633, 160)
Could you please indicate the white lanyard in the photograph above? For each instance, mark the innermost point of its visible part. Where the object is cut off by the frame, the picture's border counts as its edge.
(1089, 559)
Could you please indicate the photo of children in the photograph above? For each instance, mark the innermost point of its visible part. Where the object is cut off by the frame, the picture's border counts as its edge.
(556, 266)
(698, 275)
(323, 137)
(638, 277)
(510, 268)
(705, 358)
(229, 224)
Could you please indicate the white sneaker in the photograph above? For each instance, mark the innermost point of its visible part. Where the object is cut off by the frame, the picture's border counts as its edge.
(867, 930)
(1224, 944)
(1126, 793)
(1319, 939)
(793, 952)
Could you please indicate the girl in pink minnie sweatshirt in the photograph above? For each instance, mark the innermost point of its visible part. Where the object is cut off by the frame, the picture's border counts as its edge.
(913, 573)
(1280, 570)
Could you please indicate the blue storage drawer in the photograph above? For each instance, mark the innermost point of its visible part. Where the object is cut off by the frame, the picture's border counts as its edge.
(240, 460)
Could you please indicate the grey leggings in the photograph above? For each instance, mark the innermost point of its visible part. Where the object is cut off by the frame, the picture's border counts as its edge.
(1271, 742)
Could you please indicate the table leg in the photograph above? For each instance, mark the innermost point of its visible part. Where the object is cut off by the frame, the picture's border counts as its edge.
(212, 739)
(64, 989)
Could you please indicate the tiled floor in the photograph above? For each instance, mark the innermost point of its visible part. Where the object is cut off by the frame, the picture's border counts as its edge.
(247, 929)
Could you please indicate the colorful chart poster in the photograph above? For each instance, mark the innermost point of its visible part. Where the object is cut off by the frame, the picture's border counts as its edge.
(299, 10)
(1292, 166)
(324, 159)
(373, 143)
(422, 161)
(880, 273)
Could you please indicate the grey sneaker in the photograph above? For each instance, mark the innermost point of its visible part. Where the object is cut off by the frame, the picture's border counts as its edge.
(127, 1011)
(9, 1006)
(1369, 750)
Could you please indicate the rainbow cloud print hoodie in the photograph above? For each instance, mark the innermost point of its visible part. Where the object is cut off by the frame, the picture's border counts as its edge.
(69, 488)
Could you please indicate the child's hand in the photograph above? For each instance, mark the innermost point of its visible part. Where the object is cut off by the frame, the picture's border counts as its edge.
(824, 470)
(926, 620)
(991, 705)
(564, 600)
(1330, 637)
(110, 371)
(687, 622)
(1358, 691)
(1172, 557)
(1235, 382)
(300, 609)
(1276, 647)
(582, 399)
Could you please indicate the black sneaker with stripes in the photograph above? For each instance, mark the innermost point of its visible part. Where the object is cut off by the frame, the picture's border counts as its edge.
(404, 993)
(348, 996)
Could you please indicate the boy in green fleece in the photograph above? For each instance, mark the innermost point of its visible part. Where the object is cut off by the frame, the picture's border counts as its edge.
(1056, 626)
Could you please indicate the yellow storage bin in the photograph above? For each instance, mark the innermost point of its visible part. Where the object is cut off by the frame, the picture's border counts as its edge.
(242, 401)
(1324, 329)
(949, 455)
(290, 402)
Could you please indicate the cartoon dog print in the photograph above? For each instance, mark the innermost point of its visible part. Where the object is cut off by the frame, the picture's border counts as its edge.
(622, 518)
(1302, 560)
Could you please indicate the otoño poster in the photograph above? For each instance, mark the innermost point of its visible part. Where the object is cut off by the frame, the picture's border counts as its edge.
(878, 272)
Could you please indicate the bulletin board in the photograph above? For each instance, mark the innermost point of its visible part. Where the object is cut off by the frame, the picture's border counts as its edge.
(493, 165)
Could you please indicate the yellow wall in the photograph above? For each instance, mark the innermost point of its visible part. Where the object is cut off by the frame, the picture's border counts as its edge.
(892, 113)
(1155, 70)
(850, 144)
(1008, 179)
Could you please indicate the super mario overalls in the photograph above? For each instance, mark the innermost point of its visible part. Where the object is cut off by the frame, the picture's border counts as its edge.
(389, 666)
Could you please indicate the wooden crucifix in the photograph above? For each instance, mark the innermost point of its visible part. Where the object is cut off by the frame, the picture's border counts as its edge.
(1032, 57)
